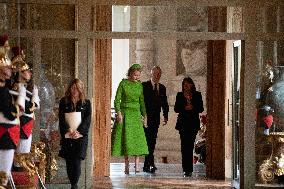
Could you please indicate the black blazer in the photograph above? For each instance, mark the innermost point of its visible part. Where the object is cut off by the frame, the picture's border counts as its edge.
(154, 103)
(71, 147)
(188, 119)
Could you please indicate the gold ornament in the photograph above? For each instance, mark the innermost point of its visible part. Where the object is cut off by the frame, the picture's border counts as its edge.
(275, 164)
(279, 163)
(266, 172)
(3, 178)
(3, 61)
(34, 162)
(18, 65)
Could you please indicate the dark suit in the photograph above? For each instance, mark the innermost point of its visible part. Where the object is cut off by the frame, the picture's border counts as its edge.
(153, 102)
(188, 124)
(74, 150)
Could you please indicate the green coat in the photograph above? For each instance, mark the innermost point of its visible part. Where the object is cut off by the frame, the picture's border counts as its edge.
(128, 138)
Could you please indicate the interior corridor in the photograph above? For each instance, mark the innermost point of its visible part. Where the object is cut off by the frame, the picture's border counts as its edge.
(167, 176)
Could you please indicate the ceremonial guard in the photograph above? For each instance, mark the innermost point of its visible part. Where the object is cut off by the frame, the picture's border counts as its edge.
(23, 75)
(9, 118)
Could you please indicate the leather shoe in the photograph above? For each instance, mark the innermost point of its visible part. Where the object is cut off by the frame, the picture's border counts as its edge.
(187, 174)
(152, 169)
(149, 169)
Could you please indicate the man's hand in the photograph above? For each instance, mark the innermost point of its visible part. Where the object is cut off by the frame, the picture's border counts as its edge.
(145, 121)
(165, 121)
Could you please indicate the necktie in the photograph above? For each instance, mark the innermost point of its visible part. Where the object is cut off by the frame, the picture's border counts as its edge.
(156, 89)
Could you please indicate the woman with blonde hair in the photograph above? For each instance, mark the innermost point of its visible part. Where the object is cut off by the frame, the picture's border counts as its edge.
(74, 123)
(128, 137)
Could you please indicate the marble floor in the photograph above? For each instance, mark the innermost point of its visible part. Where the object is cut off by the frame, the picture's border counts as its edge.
(168, 176)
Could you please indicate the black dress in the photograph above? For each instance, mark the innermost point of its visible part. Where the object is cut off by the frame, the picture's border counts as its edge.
(71, 147)
(188, 124)
(74, 150)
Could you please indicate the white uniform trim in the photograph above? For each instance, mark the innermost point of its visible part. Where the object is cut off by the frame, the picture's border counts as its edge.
(29, 115)
(6, 160)
(24, 145)
(17, 94)
(3, 119)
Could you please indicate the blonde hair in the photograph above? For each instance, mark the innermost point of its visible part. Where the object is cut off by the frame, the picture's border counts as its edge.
(133, 68)
(80, 86)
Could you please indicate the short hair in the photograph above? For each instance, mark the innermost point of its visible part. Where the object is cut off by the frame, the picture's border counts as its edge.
(156, 67)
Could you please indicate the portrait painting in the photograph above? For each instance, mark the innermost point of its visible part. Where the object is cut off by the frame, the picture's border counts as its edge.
(191, 57)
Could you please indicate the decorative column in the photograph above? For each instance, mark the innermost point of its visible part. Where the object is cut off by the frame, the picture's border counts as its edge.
(4, 25)
(144, 53)
(216, 88)
(102, 93)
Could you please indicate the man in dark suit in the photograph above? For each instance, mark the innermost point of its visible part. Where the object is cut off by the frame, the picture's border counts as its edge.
(155, 98)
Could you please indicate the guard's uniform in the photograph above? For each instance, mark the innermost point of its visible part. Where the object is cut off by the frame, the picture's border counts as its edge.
(27, 121)
(31, 103)
(9, 120)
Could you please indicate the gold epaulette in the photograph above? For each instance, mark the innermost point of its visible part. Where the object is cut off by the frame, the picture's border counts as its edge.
(17, 113)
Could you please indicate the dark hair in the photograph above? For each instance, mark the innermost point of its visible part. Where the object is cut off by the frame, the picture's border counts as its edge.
(189, 80)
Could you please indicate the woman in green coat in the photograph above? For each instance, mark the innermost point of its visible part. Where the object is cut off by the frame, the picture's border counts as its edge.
(128, 137)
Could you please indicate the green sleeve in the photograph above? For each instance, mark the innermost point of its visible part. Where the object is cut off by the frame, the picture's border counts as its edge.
(142, 103)
(118, 96)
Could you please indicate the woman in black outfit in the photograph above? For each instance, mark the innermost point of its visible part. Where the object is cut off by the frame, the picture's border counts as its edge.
(73, 149)
(188, 105)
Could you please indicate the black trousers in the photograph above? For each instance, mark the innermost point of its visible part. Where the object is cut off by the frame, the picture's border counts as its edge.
(73, 165)
(187, 139)
(151, 133)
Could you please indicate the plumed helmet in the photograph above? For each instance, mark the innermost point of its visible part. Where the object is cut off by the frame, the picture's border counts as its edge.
(3, 61)
(3, 39)
(18, 65)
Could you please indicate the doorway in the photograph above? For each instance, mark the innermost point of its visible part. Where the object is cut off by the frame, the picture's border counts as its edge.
(236, 112)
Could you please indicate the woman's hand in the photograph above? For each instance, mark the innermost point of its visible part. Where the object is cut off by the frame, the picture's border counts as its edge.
(74, 134)
(188, 107)
(71, 132)
(145, 121)
(119, 117)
